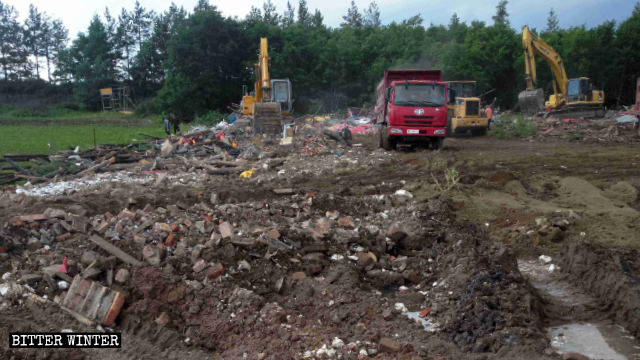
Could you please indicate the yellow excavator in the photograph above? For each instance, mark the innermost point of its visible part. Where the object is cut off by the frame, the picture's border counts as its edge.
(571, 97)
(271, 98)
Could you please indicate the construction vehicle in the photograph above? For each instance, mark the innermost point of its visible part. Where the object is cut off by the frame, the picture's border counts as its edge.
(411, 108)
(271, 98)
(571, 97)
(467, 114)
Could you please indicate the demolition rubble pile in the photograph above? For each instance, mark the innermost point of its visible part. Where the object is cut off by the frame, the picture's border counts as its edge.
(271, 265)
(618, 127)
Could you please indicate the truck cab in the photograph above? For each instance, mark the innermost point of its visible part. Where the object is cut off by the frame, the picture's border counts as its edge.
(412, 108)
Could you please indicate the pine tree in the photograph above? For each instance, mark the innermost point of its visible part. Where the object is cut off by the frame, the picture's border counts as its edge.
(501, 16)
(34, 33)
(317, 19)
(552, 22)
(11, 54)
(270, 16)
(455, 21)
(304, 18)
(372, 15)
(288, 16)
(353, 17)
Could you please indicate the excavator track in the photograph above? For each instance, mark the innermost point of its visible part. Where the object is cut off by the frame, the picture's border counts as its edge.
(267, 118)
(578, 111)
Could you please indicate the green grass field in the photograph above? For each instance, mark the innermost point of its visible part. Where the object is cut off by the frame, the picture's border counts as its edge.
(29, 139)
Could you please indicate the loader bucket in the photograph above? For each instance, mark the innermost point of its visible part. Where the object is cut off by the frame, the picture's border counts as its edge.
(531, 101)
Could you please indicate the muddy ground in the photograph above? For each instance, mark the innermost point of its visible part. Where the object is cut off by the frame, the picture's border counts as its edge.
(356, 248)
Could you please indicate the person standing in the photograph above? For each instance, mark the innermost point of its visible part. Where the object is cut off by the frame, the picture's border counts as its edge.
(165, 122)
(489, 112)
(176, 123)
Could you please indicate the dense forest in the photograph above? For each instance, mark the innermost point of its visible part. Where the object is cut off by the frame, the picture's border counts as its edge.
(191, 62)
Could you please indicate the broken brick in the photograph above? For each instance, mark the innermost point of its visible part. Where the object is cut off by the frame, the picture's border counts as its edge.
(163, 319)
(199, 265)
(424, 312)
(389, 345)
(63, 237)
(299, 275)
(100, 229)
(152, 255)
(127, 214)
(226, 230)
(158, 227)
(346, 222)
(171, 240)
(214, 271)
(122, 276)
(33, 217)
(273, 233)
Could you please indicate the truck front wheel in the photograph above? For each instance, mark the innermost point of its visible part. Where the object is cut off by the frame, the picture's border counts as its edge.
(385, 142)
(436, 143)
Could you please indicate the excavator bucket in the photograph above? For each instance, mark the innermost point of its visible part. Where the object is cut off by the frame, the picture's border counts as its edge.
(267, 118)
(531, 101)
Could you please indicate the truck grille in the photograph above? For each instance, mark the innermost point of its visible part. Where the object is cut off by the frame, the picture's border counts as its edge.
(417, 117)
(472, 108)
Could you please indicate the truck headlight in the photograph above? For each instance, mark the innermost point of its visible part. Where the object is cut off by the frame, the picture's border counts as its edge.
(396, 131)
(439, 132)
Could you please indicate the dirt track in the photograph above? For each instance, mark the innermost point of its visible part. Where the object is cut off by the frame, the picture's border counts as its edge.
(455, 253)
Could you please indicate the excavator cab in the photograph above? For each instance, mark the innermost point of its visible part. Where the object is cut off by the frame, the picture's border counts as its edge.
(580, 89)
(281, 93)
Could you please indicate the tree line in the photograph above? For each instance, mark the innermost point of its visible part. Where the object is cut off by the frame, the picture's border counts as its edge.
(191, 62)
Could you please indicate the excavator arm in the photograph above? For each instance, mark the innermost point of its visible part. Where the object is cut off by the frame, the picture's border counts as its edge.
(534, 45)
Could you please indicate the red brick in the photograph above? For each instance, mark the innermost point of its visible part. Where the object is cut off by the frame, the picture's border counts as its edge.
(126, 213)
(33, 217)
(163, 319)
(63, 237)
(215, 271)
(273, 233)
(425, 312)
(300, 275)
(346, 222)
(171, 240)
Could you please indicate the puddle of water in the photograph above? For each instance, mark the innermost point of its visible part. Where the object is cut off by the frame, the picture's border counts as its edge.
(594, 341)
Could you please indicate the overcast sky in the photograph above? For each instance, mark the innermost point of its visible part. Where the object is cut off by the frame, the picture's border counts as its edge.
(76, 14)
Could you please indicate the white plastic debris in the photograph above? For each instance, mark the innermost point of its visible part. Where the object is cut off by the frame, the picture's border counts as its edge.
(338, 257)
(545, 259)
(404, 193)
(337, 343)
(400, 307)
(4, 289)
(6, 276)
(553, 268)
(63, 285)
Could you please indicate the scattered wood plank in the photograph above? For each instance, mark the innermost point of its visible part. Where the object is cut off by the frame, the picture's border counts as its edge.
(25, 157)
(98, 166)
(18, 167)
(115, 251)
(224, 171)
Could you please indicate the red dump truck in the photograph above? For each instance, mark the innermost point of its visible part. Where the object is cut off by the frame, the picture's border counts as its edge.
(411, 108)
